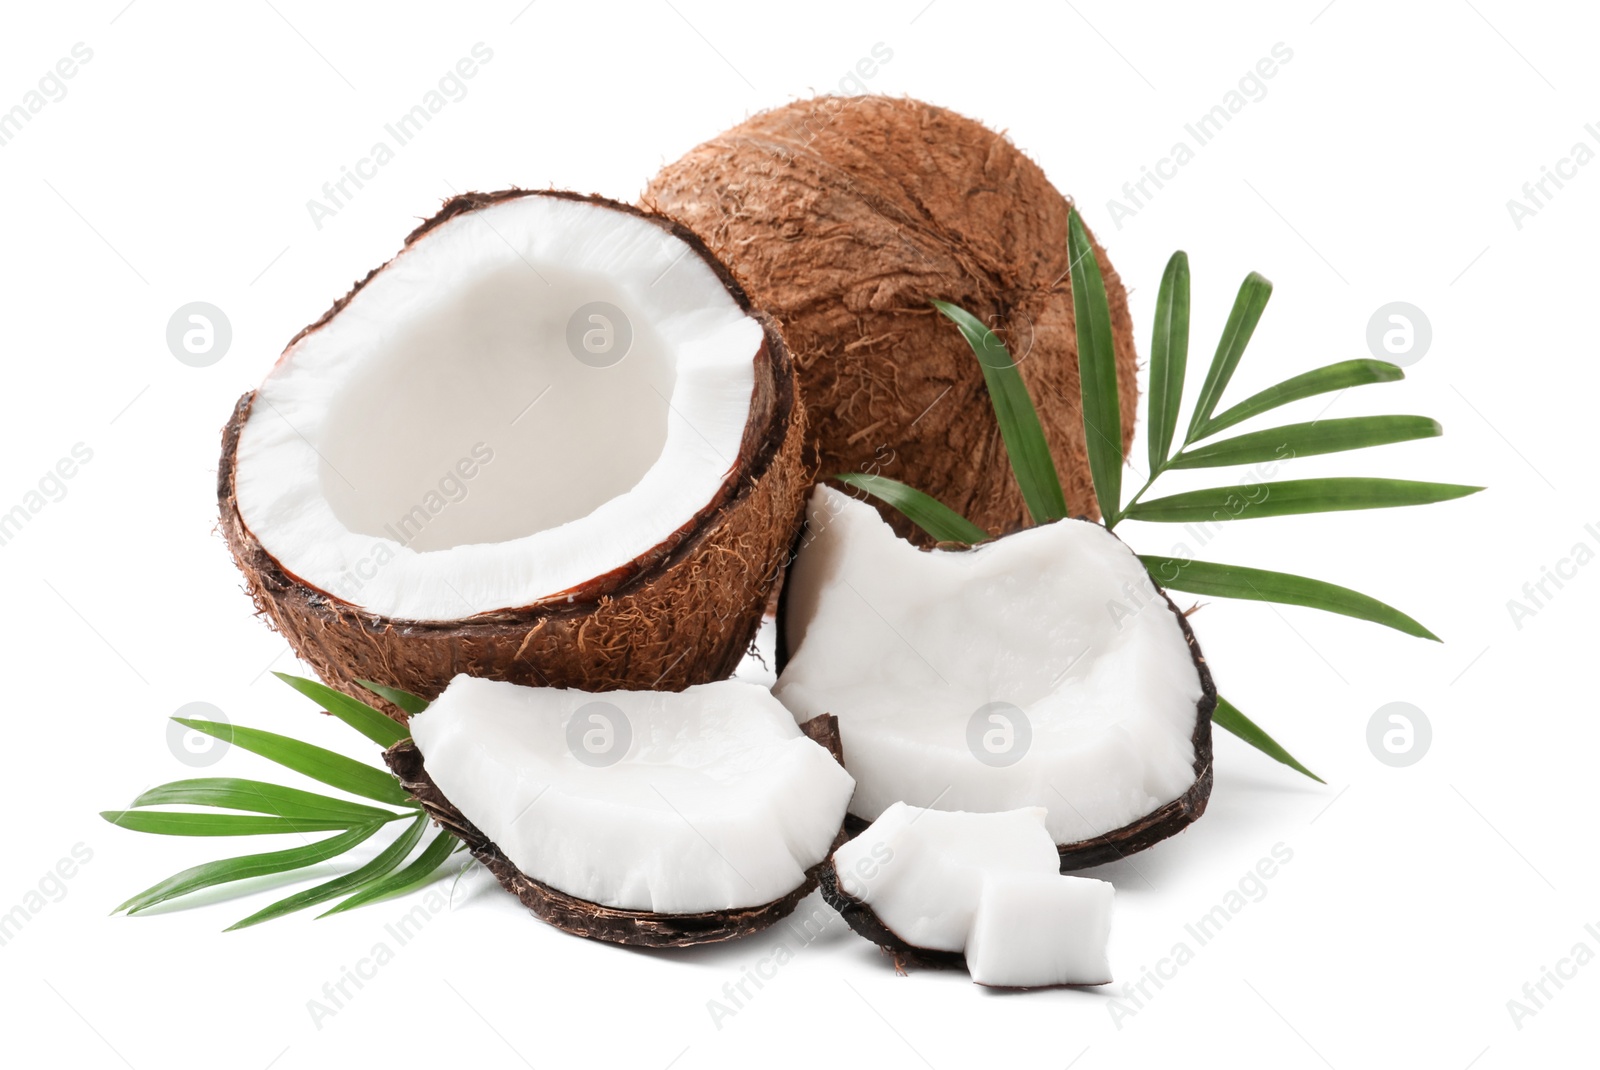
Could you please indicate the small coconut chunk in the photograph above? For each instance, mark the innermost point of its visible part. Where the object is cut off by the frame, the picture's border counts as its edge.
(1032, 930)
(982, 885)
(706, 799)
(921, 871)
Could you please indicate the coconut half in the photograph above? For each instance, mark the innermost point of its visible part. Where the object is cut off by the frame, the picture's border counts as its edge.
(945, 888)
(661, 819)
(549, 442)
(1042, 669)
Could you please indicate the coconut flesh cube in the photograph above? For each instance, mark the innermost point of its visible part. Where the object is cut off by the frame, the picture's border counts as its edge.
(1036, 929)
(981, 885)
(707, 799)
(1041, 669)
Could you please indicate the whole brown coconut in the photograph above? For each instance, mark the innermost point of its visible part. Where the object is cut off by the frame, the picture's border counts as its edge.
(844, 217)
(681, 614)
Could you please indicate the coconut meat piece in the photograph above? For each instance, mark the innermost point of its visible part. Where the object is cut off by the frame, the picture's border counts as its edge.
(1031, 930)
(673, 802)
(461, 437)
(1041, 669)
(921, 871)
(985, 885)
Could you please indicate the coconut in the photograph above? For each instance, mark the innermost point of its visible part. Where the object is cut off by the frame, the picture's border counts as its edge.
(1042, 669)
(942, 888)
(549, 442)
(844, 217)
(660, 819)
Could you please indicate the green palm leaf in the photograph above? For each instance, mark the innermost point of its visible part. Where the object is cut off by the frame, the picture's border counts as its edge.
(1097, 372)
(403, 699)
(416, 875)
(231, 793)
(1226, 715)
(245, 866)
(177, 823)
(381, 865)
(1247, 309)
(1308, 439)
(1293, 496)
(1322, 380)
(1169, 357)
(1024, 438)
(326, 766)
(1237, 581)
(928, 513)
(358, 715)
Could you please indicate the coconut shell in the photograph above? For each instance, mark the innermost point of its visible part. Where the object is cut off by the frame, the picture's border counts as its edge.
(1175, 816)
(844, 217)
(864, 921)
(580, 917)
(682, 614)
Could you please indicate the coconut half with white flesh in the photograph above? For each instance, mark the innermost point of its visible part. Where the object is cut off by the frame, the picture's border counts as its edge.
(947, 888)
(549, 442)
(660, 819)
(1042, 669)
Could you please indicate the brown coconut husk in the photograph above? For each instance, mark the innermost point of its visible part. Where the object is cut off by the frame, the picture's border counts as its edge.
(681, 614)
(580, 917)
(844, 217)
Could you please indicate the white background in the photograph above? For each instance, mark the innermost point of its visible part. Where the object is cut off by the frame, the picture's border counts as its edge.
(1377, 168)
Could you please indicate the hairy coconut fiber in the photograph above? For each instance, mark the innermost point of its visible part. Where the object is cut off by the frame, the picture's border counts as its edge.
(844, 217)
(682, 614)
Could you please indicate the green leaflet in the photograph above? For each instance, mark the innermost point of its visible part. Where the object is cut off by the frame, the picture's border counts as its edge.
(1322, 380)
(1242, 320)
(1097, 373)
(1031, 461)
(1308, 439)
(1226, 715)
(381, 865)
(1291, 497)
(209, 874)
(176, 823)
(358, 715)
(231, 793)
(929, 514)
(403, 699)
(1169, 357)
(1236, 581)
(330, 768)
(417, 874)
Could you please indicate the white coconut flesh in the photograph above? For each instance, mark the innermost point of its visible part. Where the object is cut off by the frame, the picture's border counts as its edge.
(984, 885)
(706, 799)
(438, 449)
(1041, 669)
